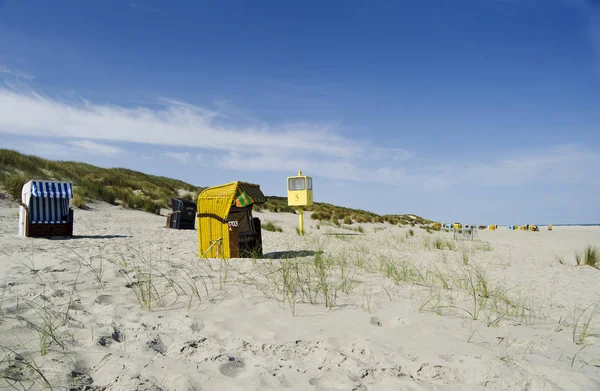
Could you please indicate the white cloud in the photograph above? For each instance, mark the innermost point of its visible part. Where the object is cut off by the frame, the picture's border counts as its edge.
(286, 146)
(90, 147)
(51, 150)
(70, 149)
(176, 124)
(317, 149)
(180, 157)
(559, 164)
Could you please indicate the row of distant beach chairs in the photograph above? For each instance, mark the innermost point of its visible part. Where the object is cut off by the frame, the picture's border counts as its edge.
(46, 212)
(528, 227)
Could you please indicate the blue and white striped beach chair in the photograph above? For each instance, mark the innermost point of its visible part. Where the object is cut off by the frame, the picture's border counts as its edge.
(45, 209)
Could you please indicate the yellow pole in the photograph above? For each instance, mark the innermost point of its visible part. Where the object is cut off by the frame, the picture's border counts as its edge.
(301, 212)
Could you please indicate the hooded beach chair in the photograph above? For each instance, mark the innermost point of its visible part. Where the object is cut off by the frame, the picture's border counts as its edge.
(183, 215)
(226, 227)
(45, 209)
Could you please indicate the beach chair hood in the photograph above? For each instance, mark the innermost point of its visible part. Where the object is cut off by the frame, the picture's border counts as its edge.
(44, 202)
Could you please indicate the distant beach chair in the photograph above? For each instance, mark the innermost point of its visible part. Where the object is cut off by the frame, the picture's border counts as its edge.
(45, 209)
(183, 215)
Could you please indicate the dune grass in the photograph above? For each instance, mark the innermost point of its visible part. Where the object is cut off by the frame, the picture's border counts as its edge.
(322, 211)
(271, 227)
(585, 323)
(131, 188)
(141, 191)
(590, 256)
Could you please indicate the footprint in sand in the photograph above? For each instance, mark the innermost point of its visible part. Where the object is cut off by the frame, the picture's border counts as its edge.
(232, 367)
(197, 327)
(104, 299)
(437, 372)
(117, 335)
(105, 341)
(157, 345)
(375, 321)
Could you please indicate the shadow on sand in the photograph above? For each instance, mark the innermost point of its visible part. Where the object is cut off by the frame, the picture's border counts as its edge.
(97, 237)
(290, 254)
(341, 234)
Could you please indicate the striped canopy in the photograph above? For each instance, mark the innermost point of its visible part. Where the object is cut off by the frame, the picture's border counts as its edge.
(48, 189)
(248, 194)
(49, 201)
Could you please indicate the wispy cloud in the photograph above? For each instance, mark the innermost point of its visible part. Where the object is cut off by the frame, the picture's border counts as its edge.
(90, 147)
(180, 157)
(179, 124)
(29, 113)
(559, 165)
(15, 73)
(562, 164)
(318, 148)
(72, 148)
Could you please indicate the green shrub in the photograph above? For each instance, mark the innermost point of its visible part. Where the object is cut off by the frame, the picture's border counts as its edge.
(269, 226)
(107, 195)
(151, 207)
(347, 220)
(13, 185)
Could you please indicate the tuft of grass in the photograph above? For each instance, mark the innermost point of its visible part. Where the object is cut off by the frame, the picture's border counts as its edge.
(584, 322)
(269, 226)
(482, 246)
(440, 244)
(465, 257)
(411, 232)
(78, 201)
(590, 256)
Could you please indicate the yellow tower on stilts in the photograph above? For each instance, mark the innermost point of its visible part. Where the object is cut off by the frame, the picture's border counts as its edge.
(300, 194)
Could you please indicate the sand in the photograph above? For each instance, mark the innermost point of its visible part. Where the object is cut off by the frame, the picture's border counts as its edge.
(506, 312)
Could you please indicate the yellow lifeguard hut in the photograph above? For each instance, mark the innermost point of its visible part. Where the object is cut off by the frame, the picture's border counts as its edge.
(226, 227)
(300, 194)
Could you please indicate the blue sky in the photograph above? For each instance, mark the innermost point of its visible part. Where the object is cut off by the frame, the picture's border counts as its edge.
(480, 111)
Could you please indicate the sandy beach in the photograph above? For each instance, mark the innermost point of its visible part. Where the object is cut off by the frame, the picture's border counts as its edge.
(128, 305)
